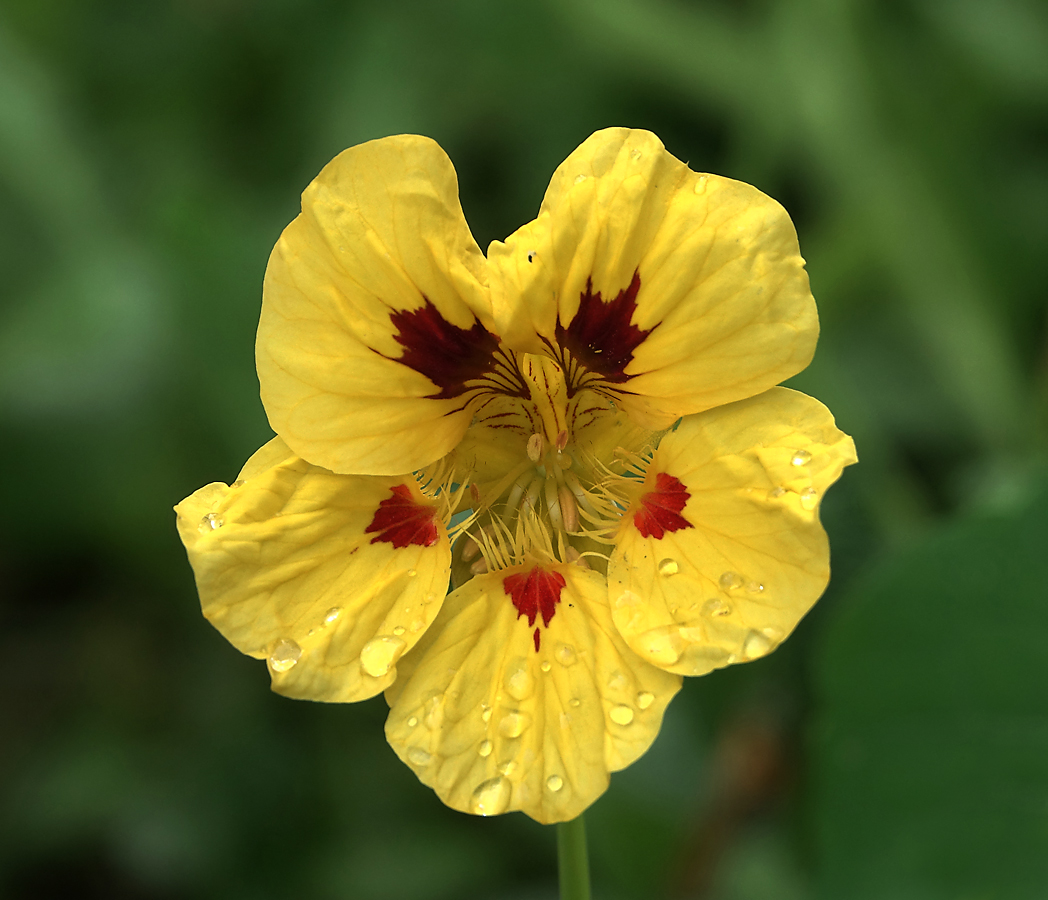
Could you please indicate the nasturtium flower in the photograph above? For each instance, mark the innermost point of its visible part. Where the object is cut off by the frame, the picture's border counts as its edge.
(580, 433)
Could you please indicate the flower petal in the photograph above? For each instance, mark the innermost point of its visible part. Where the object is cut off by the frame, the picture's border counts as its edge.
(493, 724)
(722, 553)
(375, 313)
(330, 577)
(682, 291)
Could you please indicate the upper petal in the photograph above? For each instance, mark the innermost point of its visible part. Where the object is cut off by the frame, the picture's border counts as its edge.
(495, 719)
(722, 553)
(681, 290)
(375, 313)
(330, 577)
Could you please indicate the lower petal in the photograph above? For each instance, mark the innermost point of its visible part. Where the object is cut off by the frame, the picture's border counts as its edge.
(722, 553)
(495, 718)
(331, 578)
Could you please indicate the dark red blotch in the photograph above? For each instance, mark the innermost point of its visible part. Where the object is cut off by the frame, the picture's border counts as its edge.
(400, 520)
(660, 509)
(535, 593)
(601, 336)
(447, 355)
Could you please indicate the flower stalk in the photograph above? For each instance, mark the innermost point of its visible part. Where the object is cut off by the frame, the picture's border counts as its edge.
(573, 860)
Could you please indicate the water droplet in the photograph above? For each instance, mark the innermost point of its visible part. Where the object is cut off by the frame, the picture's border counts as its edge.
(485, 748)
(627, 598)
(755, 645)
(554, 783)
(574, 701)
(546, 666)
(664, 649)
(776, 492)
(617, 681)
(773, 634)
(210, 522)
(531, 255)
(621, 715)
(668, 567)
(378, 655)
(565, 720)
(700, 184)
(486, 715)
(645, 699)
(565, 655)
(413, 721)
(579, 179)
(809, 498)
(434, 712)
(399, 630)
(512, 725)
(491, 797)
(635, 155)
(418, 625)
(730, 580)
(412, 573)
(755, 587)
(716, 607)
(284, 655)
(508, 768)
(519, 684)
(332, 614)
(418, 756)
(801, 458)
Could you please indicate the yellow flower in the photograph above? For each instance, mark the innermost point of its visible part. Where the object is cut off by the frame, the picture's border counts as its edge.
(581, 430)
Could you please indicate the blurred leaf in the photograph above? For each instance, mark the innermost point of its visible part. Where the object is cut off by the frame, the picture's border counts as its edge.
(932, 754)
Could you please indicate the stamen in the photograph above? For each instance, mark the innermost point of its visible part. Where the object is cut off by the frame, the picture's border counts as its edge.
(536, 447)
(479, 567)
(470, 549)
(569, 510)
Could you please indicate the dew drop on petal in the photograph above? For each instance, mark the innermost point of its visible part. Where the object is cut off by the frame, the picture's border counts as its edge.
(730, 580)
(434, 712)
(485, 748)
(546, 665)
(700, 184)
(399, 630)
(512, 725)
(617, 681)
(755, 587)
(668, 567)
(418, 625)
(508, 768)
(755, 645)
(627, 598)
(554, 783)
(519, 684)
(378, 655)
(491, 797)
(284, 655)
(716, 607)
(809, 498)
(332, 615)
(801, 458)
(776, 492)
(574, 701)
(579, 179)
(621, 715)
(412, 573)
(635, 155)
(565, 655)
(418, 756)
(664, 649)
(210, 522)
(413, 721)
(645, 699)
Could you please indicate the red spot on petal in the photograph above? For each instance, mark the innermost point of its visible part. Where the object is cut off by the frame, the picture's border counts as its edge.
(400, 520)
(601, 336)
(660, 509)
(447, 355)
(535, 593)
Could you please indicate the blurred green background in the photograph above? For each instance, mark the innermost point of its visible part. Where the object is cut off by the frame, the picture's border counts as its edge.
(151, 153)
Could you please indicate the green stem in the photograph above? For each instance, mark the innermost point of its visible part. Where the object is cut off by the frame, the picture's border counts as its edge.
(573, 860)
